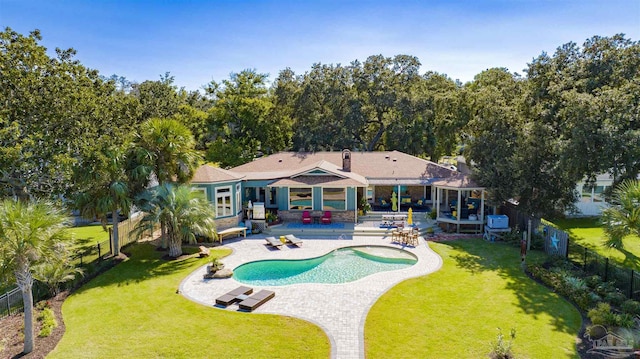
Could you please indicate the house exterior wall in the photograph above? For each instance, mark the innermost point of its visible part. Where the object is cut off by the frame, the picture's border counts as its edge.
(336, 216)
(210, 189)
(351, 199)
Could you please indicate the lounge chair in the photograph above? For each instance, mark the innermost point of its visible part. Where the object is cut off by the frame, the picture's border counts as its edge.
(293, 239)
(326, 217)
(256, 300)
(306, 217)
(274, 242)
(232, 296)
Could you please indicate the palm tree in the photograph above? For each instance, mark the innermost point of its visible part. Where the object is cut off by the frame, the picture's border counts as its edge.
(623, 217)
(29, 235)
(185, 212)
(106, 188)
(168, 148)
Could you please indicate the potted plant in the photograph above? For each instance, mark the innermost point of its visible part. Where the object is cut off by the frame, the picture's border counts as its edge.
(364, 206)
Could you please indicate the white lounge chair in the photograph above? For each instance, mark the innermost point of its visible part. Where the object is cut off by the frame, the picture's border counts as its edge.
(273, 241)
(293, 240)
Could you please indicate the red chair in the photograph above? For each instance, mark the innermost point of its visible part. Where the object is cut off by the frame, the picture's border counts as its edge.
(306, 217)
(326, 217)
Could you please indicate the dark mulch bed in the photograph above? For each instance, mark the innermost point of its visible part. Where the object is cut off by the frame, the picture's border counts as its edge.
(11, 332)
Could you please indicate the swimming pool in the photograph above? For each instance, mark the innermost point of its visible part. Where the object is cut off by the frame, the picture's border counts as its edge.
(339, 266)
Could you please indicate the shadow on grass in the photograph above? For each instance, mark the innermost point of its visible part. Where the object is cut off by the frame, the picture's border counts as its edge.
(533, 298)
(144, 263)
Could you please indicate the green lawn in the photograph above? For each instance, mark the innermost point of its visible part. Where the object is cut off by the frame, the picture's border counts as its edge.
(589, 233)
(133, 311)
(86, 238)
(454, 312)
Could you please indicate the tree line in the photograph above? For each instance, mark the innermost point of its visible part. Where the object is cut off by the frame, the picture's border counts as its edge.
(531, 138)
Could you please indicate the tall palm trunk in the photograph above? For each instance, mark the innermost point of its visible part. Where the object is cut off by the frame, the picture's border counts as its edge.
(163, 234)
(175, 243)
(25, 283)
(116, 236)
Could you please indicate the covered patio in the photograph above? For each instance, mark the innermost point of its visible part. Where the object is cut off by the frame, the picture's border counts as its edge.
(460, 202)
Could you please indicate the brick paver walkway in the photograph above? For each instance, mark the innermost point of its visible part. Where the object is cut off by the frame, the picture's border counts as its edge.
(339, 309)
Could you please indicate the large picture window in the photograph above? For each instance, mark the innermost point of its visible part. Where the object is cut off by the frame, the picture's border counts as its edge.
(334, 199)
(223, 202)
(300, 198)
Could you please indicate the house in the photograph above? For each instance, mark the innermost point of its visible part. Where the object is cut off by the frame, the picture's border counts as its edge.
(292, 182)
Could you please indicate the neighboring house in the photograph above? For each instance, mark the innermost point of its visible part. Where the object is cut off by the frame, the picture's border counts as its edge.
(591, 201)
(291, 182)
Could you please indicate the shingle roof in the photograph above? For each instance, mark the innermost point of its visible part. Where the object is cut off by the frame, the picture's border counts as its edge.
(387, 164)
(210, 174)
(321, 181)
(457, 181)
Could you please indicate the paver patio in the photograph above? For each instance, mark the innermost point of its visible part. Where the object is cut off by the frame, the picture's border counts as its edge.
(339, 309)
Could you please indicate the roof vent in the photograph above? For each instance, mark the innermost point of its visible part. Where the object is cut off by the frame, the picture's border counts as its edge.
(395, 159)
(386, 157)
(280, 160)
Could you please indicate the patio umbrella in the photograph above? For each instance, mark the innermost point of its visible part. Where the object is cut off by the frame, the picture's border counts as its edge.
(394, 202)
(410, 217)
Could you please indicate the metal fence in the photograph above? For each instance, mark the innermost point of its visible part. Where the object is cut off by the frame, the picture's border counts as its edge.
(11, 302)
(87, 258)
(558, 242)
(625, 279)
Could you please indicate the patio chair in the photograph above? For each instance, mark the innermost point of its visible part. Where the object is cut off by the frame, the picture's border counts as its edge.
(256, 300)
(274, 242)
(293, 240)
(326, 217)
(306, 217)
(384, 204)
(232, 296)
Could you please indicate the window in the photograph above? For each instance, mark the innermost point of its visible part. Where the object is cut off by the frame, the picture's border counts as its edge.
(334, 199)
(300, 198)
(238, 199)
(223, 201)
(201, 189)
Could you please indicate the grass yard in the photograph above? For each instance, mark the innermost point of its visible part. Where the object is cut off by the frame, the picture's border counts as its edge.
(589, 233)
(133, 311)
(454, 312)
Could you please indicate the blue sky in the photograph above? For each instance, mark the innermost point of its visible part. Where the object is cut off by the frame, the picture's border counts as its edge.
(201, 41)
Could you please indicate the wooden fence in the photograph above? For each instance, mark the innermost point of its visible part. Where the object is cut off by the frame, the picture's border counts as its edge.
(126, 234)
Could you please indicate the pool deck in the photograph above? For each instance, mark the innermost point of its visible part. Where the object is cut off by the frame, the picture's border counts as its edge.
(339, 309)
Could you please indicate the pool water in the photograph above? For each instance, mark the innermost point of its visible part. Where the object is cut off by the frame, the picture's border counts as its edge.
(339, 266)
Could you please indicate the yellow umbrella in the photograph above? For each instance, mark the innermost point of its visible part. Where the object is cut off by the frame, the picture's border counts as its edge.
(410, 217)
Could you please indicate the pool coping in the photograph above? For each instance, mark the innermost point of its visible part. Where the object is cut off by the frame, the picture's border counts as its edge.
(353, 299)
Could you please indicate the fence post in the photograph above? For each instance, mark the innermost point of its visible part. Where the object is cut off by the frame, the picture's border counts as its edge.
(606, 268)
(566, 255)
(99, 255)
(110, 240)
(529, 235)
(81, 259)
(631, 285)
(584, 266)
(8, 303)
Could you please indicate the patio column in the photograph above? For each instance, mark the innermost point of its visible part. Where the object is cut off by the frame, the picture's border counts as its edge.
(459, 205)
(482, 210)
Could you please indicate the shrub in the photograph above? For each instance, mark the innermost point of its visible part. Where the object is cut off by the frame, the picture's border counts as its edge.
(600, 314)
(514, 237)
(501, 348)
(631, 306)
(48, 320)
(615, 297)
(593, 281)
